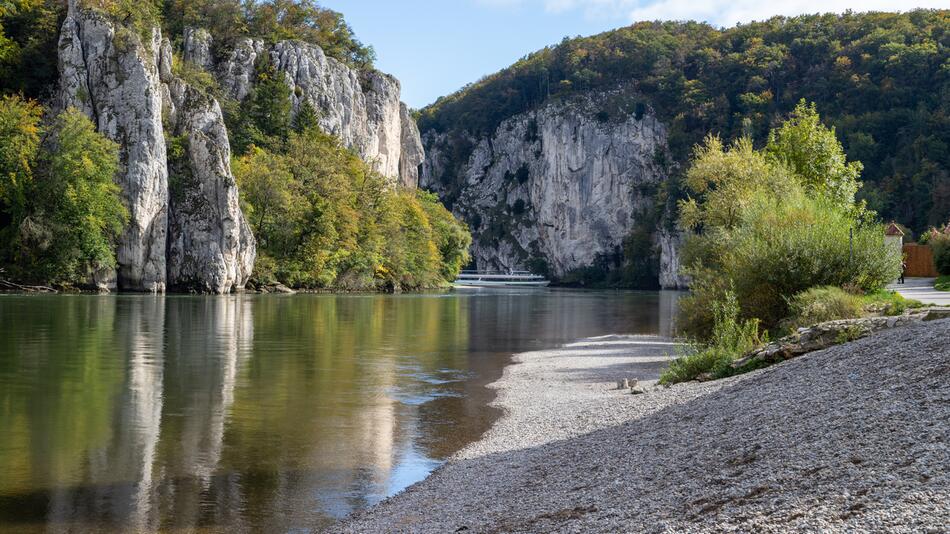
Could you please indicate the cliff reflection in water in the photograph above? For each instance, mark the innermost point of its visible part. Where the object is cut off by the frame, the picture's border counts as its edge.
(150, 413)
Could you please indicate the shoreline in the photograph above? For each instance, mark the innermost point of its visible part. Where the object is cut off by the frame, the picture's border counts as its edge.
(848, 438)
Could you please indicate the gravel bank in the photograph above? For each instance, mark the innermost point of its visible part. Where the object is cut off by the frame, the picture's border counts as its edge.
(852, 438)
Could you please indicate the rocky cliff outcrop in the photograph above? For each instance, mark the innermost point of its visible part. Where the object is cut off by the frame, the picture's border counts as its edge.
(196, 238)
(413, 153)
(111, 75)
(210, 248)
(558, 186)
(361, 108)
(671, 268)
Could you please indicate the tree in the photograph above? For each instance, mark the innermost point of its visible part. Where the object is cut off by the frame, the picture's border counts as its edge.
(7, 46)
(814, 153)
(764, 232)
(720, 185)
(265, 117)
(19, 147)
(266, 191)
(76, 202)
(305, 20)
(307, 118)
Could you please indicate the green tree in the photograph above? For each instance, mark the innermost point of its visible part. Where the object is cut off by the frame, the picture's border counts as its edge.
(452, 238)
(19, 147)
(77, 202)
(307, 118)
(265, 117)
(7, 46)
(325, 218)
(721, 182)
(267, 191)
(814, 153)
(761, 230)
(305, 20)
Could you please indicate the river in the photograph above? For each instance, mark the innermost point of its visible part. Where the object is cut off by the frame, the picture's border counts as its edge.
(259, 412)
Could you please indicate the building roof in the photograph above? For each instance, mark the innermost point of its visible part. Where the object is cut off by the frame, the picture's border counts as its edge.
(894, 230)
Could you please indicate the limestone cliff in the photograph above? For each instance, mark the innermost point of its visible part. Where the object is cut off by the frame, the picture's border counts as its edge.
(111, 75)
(558, 186)
(361, 108)
(210, 248)
(196, 238)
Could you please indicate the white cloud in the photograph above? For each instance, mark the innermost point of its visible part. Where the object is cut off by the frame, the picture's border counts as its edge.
(718, 12)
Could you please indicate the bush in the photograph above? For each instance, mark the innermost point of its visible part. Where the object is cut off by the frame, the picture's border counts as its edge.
(940, 243)
(731, 338)
(821, 304)
(786, 246)
(943, 283)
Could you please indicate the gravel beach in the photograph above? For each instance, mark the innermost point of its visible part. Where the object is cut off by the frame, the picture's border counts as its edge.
(854, 438)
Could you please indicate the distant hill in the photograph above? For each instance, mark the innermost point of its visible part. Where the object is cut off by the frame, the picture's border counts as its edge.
(882, 79)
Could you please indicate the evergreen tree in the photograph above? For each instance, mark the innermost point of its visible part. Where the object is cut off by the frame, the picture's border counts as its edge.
(307, 118)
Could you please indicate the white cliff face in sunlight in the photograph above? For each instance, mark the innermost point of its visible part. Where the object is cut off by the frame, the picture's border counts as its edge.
(557, 184)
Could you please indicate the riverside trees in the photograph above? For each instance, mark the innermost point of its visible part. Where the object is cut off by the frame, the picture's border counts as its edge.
(767, 225)
(62, 211)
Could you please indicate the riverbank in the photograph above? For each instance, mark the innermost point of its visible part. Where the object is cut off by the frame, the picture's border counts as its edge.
(854, 437)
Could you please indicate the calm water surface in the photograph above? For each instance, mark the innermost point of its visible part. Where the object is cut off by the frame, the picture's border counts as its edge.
(258, 412)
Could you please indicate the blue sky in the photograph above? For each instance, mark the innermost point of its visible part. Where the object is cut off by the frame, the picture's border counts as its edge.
(435, 47)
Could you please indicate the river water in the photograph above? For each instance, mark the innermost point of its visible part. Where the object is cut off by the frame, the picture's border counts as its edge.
(258, 412)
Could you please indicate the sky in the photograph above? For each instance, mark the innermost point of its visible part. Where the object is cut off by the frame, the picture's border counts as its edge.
(435, 47)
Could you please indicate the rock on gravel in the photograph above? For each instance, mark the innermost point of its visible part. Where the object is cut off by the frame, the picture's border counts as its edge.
(853, 438)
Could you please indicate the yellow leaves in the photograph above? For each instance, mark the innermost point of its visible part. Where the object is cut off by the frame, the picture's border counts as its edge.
(722, 181)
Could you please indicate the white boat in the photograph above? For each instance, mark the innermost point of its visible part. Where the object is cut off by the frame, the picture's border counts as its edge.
(498, 279)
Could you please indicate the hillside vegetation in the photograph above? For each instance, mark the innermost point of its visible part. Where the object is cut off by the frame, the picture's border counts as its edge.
(882, 79)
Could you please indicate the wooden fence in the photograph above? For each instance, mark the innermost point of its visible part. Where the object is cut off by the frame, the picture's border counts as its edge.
(920, 261)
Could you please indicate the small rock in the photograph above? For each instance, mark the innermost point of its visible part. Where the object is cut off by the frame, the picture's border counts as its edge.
(281, 288)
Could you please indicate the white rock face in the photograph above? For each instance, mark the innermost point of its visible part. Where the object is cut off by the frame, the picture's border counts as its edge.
(112, 76)
(362, 109)
(197, 48)
(236, 75)
(210, 245)
(197, 239)
(413, 153)
(554, 184)
(671, 276)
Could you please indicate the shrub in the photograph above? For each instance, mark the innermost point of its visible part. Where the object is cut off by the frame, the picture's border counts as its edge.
(821, 304)
(730, 339)
(786, 246)
(943, 283)
(940, 242)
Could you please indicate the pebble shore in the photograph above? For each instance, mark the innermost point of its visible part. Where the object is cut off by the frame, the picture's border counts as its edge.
(855, 438)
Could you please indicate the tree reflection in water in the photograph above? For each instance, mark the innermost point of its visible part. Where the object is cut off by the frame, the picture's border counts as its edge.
(244, 412)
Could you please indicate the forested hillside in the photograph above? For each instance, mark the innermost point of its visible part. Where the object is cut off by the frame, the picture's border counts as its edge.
(881, 79)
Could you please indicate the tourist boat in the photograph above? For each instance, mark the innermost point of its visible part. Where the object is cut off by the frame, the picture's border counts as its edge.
(499, 279)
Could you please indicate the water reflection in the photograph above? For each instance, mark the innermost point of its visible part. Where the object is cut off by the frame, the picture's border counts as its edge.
(257, 412)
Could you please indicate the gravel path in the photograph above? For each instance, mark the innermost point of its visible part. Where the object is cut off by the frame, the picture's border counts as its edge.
(853, 438)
